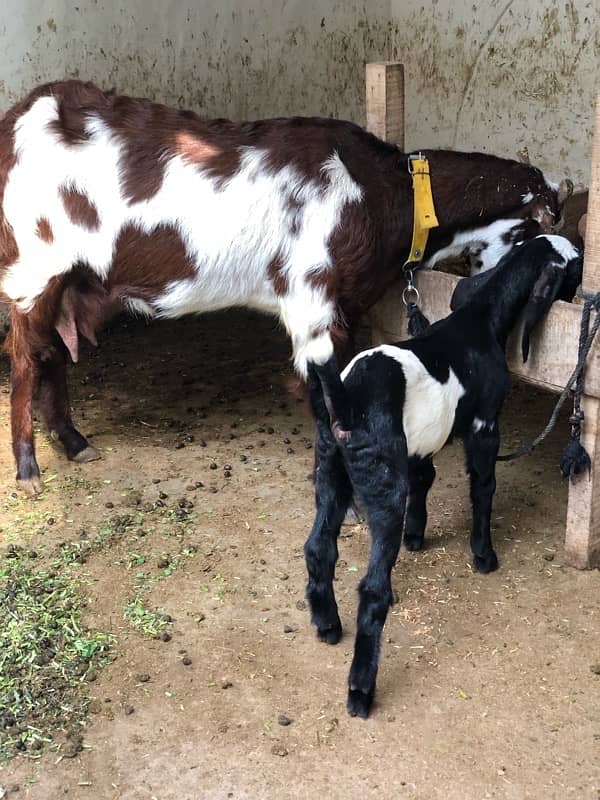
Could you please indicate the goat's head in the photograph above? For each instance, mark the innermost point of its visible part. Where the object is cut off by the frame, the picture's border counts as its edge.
(546, 208)
(556, 273)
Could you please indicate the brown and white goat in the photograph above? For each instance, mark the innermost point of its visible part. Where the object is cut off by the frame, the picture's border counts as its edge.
(109, 201)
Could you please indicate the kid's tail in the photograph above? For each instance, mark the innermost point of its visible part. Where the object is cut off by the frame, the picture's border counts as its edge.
(329, 399)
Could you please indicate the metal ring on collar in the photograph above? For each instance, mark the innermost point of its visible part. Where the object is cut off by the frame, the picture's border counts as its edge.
(407, 292)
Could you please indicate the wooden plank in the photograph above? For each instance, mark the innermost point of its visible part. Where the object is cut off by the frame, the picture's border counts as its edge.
(384, 83)
(385, 101)
(582, 543)
(582, 540)
(553, 353)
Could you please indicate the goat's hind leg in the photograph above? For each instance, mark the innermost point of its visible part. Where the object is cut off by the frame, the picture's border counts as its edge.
(421, 474)
(54, 404)
(383, 492)
(333, 494)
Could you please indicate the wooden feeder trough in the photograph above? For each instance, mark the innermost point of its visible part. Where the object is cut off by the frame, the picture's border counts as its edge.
(554, 346)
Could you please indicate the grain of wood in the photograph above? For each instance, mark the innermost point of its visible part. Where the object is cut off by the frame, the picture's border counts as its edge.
(385, 101)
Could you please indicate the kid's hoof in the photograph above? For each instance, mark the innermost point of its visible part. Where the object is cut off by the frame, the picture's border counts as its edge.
(414, 543)
(330, 635)
(89, 453)
(31, 486)
(487, 563)
(359, 703)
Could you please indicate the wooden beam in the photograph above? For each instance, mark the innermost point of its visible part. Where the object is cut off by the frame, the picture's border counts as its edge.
(385, 101)
(582, 544)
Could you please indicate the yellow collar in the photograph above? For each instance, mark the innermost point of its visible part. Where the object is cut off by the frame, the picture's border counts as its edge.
(424, 216)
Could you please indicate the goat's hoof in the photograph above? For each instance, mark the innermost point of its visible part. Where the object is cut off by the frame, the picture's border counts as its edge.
(414, 543)
(31, 486)
(330, 635)
(487, 563)
(88, 453)
(359, 702)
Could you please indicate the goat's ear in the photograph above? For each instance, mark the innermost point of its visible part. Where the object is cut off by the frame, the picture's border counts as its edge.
(572, 280)
(542, 296)
(565, 190)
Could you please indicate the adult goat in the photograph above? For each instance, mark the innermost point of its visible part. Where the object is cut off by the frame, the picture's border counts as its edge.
(111, 202)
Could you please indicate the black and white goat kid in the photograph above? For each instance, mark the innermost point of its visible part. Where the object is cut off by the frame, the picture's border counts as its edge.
(393, 408)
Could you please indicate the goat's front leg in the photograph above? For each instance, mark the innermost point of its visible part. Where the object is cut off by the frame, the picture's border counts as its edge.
(385, 505)
(23, 381)
(333, 493)
(54, 404)
(481, 449)
(421, 474)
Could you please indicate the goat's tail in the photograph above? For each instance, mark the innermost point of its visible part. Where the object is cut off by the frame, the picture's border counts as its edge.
(329, 399)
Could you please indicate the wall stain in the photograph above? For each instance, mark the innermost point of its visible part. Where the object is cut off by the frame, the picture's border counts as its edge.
(511, 75)
(491, 77)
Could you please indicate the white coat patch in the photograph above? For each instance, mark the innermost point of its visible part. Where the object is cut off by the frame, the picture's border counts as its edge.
(562, 246)
(429, 406)
(484, 244)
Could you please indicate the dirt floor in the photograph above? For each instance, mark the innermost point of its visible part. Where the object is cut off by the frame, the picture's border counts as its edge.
(489, 685)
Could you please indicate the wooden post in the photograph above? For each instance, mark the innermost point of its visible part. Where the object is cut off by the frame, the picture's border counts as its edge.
(385, 101)
(385, 118)
(582, 543)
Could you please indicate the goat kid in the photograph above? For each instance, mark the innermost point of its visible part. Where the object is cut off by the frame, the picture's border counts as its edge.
(393, 408)
(483, 247)
(111, 202)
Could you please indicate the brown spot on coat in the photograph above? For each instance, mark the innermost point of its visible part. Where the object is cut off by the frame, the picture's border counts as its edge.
(44, 230)
(277, 275)
(80, 209)
(145, 263)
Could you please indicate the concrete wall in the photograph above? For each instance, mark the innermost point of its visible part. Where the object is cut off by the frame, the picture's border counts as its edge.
(492, 75)
(501, 74)
(221, 57)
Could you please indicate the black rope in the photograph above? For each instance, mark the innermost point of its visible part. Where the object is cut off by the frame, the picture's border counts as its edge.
(417, 322)
(575, 459)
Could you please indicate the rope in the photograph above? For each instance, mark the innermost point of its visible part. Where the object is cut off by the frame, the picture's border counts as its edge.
(586, 339)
